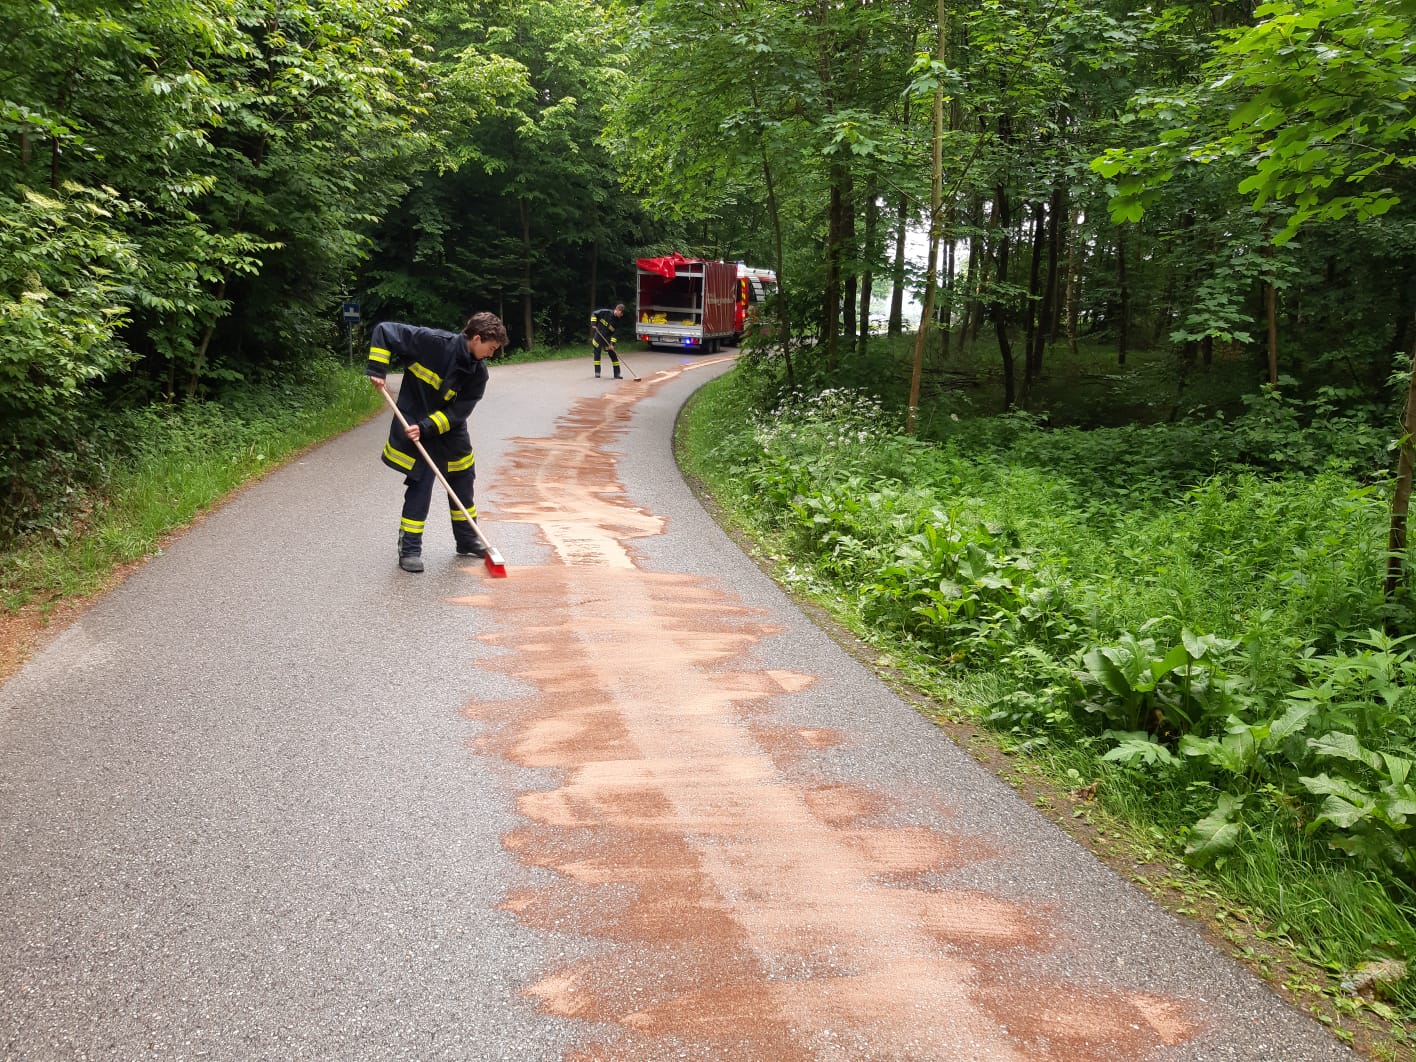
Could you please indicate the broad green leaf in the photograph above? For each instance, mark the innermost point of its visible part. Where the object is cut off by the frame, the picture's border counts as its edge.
(1178, 657)
(1398, 769)
(1345, 746)
(1342, 812)
(1216, 833)
(1105, 671)
(1294, 718)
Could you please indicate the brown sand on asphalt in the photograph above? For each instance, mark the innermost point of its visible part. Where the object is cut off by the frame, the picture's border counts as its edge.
(735, 905)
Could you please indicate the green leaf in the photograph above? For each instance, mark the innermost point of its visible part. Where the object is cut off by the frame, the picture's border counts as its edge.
(1216, 833)
(1135, 747)
(1397, 768)
(1345, 746)
(1345, 805)
(1290, 722)
(1105, 671)
(1178, 657)
(1127, 210)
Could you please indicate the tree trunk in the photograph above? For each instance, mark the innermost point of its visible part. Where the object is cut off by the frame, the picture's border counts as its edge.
(977, 267)
(948, 310)
(1271, 312)
(194, 376)
(527, 321)
(1030, 300)
(902, 219)
(594, 275)
(947, 314)
(998, 307)
(1052, 294)
(936, 198)
(849, 250)
(1047, 322)
(897, 275)
(1401, 495)
(1122, 326)
(867, 277)
(1074, 222)
(784, 324)
(831, 293)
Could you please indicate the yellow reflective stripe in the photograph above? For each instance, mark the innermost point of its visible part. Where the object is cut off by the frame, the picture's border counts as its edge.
(458, 517)
(398, 457)
(440, 419)
(379, 355)
(413, 527)
(449, 395)
(426, 374)
(462, 463)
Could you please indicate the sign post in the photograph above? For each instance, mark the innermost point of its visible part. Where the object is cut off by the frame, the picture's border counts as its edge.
(349, 313)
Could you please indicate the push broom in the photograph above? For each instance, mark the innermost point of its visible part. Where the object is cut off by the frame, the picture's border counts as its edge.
(493, 560)
(599, 335)
(627, 365)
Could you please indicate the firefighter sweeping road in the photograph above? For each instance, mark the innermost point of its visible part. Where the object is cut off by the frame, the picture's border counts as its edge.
(274, 798)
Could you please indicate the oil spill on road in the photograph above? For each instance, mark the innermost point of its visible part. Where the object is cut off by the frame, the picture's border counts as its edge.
(734, 901)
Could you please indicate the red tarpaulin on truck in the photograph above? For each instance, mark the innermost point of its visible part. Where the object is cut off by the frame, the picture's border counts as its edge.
(665, 267)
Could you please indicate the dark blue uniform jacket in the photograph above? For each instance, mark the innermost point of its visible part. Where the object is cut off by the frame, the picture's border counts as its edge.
(442, 382)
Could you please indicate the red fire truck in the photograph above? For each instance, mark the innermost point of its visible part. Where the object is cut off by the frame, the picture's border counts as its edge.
(694, 304)
(754, 285)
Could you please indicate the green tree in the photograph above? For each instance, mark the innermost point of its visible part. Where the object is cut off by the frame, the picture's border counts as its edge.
(172, 167)
(520, 202)
(1310, 111)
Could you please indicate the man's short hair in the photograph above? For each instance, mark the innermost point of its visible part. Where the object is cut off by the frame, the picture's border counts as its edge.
(620, 307)
(486, 326)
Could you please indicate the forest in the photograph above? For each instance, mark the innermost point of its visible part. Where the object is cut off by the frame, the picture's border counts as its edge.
(1084, 393)
(191, 189)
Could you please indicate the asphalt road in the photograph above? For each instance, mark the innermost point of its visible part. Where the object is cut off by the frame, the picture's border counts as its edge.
(273, 798)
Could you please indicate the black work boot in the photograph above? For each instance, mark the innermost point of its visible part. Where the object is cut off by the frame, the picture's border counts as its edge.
(410, 552)
(468, 543)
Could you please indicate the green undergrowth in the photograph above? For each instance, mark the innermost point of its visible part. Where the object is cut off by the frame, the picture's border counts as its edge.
(516, 357)
(143, 473)
(1184, 620)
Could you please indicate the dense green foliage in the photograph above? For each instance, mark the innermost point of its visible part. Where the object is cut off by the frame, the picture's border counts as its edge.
(1214, 136)
(177, 206)
(1208, 642)
(522, 214)
(189, 188)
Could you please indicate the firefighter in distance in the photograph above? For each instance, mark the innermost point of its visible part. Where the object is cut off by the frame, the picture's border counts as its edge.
(602, 336)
